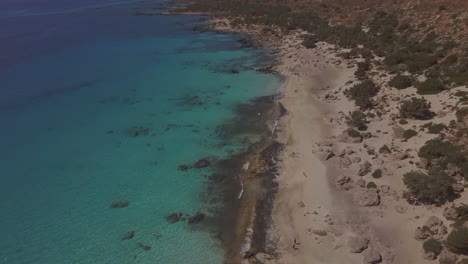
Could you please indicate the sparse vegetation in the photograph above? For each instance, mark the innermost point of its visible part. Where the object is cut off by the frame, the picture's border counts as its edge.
(444, 151)
(436, 128)
(385, 150)
(416, 108)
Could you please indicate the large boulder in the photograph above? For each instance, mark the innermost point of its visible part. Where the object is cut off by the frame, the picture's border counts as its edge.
(344, 162)
(357, 244)
(450, 213)
(367, 197)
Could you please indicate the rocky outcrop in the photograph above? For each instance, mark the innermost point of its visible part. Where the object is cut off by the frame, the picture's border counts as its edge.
(344, 162)
(450, 213)
(203, 163)
(174, 217)
(120, 204)
(198, 217)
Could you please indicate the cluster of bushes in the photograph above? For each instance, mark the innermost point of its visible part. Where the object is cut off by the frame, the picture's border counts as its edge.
(430, 86)
(444, 151)
(457, 240)
(362, 69)
(362, 93)
(416, 108)
(434, 128)
(433, 246)
(434, 187)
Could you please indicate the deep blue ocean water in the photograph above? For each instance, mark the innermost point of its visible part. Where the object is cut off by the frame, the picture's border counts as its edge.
(77, 79)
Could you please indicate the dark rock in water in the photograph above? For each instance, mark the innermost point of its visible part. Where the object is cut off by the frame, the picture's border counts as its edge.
(128, 235)
(235, 71)
(144, 247)
(110, 132)
(139, 131)
(246, 42)
(183, 167)
(120, 204)
(197, 218)
(174, 217)
(202, 163)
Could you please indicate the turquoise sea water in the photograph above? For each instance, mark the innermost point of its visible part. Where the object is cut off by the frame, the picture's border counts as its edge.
(76, 84)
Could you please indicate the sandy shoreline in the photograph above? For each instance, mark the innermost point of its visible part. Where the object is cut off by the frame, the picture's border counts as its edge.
(324, 200)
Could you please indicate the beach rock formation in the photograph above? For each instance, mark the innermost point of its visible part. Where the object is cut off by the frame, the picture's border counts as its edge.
(364, 169)
(203, 163)
(197, 218)
(144, 247)
(174, 217)
(450, 213)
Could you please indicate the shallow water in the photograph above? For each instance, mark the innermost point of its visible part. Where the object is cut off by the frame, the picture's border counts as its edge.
(77, 86)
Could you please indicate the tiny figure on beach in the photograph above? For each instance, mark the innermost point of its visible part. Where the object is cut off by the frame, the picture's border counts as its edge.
(295, 243)
(156, 234)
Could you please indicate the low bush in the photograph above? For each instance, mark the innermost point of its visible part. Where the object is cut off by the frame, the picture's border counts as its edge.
(377, 174)
(430, 86)
(433, 246)
(403, 122)
(385, 150)
(400, 82)
(461, 113)
(371, 185)
(435, 187)
(362, 69)
(353, 133)
(357, 119)
(457, 240)
(409, 133)
(417, 108)
(309, 41)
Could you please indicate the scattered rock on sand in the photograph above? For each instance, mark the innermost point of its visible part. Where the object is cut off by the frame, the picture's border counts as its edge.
(325, 144)
(421, 234)
(457, 187)
(361, 183)
(367, 197)
(429, 255)
(364, 168)
(356, 159)
(357, 244)
(400, 155)
(344, 162)
(319, 232)
(401, 209)
(328, 154)
(341, 153)
(372, 256)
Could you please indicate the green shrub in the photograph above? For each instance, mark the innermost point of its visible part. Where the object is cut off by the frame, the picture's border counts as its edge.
(436, 128)
(403, 122)
(461, 113)
(371, 185)
(400, 82)
(385, 149)
(409, 133)
(457, 240)
(433, 246)
(377, 174)
(362, 69)
(309, 41)
(443, 150)
(417, 108)
(432, 188)
(353, 133)
(430, 86)
(362, 92)
(357, 119)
